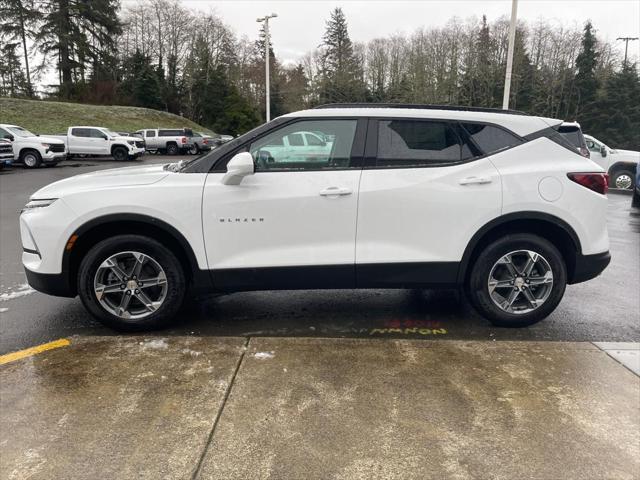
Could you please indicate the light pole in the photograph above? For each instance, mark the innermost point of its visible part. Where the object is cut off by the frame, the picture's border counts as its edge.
(267, 42)
(626, 41)
(512, 39)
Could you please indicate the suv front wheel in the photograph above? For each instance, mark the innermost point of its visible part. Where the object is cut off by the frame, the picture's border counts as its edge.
(131, 282)
(517, 280)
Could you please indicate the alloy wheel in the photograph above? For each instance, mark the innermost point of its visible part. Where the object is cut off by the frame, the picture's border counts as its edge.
(30, 160)
(520, 281)
(130, 285)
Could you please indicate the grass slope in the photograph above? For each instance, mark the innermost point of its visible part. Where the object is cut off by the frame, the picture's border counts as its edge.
(55, 117)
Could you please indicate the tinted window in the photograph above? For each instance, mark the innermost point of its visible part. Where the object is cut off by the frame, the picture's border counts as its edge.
(593, 146)
(80, 132)
(416, 143)
(573, 135)
(170, 133)
(150, 133)
(491, 139)
(271, 154)
(93, 133)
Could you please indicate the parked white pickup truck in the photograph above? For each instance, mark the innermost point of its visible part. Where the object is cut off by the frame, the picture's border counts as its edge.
(31, 149)
(620, 164)
(99, 141)
(172, 141)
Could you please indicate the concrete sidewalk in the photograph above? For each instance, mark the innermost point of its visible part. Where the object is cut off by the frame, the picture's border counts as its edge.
(302, 408)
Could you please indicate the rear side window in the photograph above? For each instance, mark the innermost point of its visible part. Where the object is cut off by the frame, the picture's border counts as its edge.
(150, 133)
(491, 139)
(80, 132)
(170, 133)
(573, 135)
(406, 143)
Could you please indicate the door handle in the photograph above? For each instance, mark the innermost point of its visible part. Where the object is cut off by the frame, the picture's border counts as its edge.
(474, 181)
(335, 191)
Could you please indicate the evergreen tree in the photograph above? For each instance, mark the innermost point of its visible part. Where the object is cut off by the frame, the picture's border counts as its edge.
(140, 86)
(20, 18)
(14, 82)
(616, 118)
(342, 75)
(586, 82)
(78, 33)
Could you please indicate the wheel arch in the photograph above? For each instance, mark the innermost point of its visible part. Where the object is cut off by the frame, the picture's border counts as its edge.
(97, 229)
(622, 165)
(119, 145)
(550, 227)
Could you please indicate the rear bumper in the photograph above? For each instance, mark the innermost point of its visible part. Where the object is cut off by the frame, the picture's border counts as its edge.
(55, 284)
(589, 266)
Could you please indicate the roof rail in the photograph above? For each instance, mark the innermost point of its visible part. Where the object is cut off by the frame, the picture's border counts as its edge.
(419, 106)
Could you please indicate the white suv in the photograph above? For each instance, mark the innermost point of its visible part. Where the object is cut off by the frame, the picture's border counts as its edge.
(495, 202)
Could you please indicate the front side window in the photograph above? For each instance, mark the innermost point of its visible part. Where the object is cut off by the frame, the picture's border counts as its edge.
(489, 138)
(408, 143)
(150, 133)
(593, 146)
(93, 133)
(285, 149)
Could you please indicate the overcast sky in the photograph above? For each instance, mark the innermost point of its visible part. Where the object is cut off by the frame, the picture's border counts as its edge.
(301, 23)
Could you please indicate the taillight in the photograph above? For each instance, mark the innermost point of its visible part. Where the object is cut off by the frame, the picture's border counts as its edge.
(204, 141)
(585, 152)
(184, 140)
(598, 182)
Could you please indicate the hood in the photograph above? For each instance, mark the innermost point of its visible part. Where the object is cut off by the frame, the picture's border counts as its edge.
(122, 138)
(103, 179)
(48, 139)
(631, 153)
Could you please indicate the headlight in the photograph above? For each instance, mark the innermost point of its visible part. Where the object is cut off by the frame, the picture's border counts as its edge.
(131, 142)
(45, 202)
(46, 145)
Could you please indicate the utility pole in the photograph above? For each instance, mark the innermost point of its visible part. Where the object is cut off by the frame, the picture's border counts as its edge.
(267, 43)
(626, 41)
(512, 40)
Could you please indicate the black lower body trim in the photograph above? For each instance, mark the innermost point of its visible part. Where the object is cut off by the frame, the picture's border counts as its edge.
(50, 283)
(589, 266)
(284, 278)
(384, 275)
(407, 275)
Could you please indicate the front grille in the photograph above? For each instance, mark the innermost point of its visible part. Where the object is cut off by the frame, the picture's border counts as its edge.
(139, 144)
(6, 148)
(55, 147)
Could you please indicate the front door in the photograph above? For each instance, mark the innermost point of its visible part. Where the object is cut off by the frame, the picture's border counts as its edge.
(292, 224)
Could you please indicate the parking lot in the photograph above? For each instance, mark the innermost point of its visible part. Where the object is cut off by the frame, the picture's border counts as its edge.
(263, 384)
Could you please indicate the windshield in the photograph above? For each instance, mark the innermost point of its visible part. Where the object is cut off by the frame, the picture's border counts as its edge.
(21, 132)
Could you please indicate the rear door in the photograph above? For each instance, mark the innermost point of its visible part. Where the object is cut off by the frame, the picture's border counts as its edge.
(425, 191)
(292, 224)
(151, 139)
(80, 141)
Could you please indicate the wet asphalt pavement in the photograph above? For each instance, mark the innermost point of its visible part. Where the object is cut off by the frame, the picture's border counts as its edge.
(604, 309)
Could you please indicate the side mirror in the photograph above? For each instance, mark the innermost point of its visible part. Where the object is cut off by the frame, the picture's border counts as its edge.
(8, 137)
(238, 167)
(603, 151)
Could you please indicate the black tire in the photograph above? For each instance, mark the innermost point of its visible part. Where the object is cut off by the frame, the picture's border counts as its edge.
(172, 149)
(120, 154)
(478, 284)
(176, 282)
(620, 176)
(31, 158)
(195, 150)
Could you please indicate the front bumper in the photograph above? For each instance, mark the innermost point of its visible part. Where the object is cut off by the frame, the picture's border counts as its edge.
(589, 266)
(50, 283)
(54, 158)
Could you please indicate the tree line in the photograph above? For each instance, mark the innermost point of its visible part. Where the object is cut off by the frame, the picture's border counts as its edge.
(159, 54)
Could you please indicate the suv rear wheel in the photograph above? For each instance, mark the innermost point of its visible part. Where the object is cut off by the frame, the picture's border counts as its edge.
(517, 280)
(131, 282)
